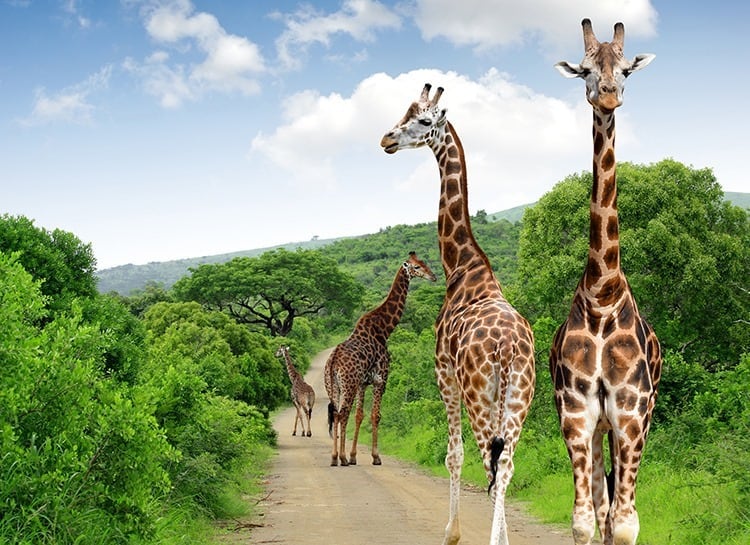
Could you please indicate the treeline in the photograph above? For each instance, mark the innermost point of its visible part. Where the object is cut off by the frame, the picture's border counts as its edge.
(140, 419)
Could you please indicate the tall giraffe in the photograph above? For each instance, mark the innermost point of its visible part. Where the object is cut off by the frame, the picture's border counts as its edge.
(485, 348)
(303, 395)
(362, 360)
(605, 360)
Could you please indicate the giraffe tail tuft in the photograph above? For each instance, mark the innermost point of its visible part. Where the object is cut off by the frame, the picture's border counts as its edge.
(496, 449)
(330, 419)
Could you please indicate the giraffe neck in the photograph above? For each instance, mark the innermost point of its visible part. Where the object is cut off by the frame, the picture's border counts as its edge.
(294, 375)
(603, 281)
(384, 318)
(459, 250)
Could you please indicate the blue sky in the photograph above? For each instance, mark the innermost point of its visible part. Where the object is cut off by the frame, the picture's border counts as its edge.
(165, 129)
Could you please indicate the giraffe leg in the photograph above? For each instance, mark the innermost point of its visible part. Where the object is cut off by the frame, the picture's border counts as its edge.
(600, 494)
(579, 449)
(334, 417)
(343, 419)
(358, 417)
(308, 417)
(624, 521)
(499, 535)
(377, 396)
(297, 418)
(454, 459)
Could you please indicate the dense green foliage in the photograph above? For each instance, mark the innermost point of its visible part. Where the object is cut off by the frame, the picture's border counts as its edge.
(64, 265)
(116, 428)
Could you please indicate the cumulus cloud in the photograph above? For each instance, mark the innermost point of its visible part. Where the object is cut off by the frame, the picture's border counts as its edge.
(203, 56)
(357, 18)
(71, 104)
(483, 25)
(518, 143)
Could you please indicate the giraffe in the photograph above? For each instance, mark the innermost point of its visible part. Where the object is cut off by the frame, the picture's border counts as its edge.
(303, 395)
(484, 354)
(605, 359)
(362, 360)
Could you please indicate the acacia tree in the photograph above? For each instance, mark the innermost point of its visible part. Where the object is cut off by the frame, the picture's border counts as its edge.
(271, 290)
(685, 252)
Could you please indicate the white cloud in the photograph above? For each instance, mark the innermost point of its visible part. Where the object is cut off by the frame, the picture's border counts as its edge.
(71, 104)
(483, 25)
(206, 57)
(357, 18)
(518, 143)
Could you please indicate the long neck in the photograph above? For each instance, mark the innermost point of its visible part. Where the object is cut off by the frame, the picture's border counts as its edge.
(603, 280)
(294, 375)
(459, 250)
(385, 317)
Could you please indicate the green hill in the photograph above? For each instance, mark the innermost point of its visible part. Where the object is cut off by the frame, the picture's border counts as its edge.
(125, 279)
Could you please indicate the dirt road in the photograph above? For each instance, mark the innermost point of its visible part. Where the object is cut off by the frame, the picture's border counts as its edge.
(309, 502)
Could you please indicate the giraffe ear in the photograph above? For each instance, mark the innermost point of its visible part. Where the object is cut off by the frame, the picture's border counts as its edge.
(442, 119)
(640, 61)
(570, 70)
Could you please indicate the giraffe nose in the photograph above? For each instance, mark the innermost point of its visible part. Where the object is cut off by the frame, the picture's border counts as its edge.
(606, 88)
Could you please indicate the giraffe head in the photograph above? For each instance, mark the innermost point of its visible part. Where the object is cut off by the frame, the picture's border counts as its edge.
(604, 68)
(419, 126)
(283, 350)
(416, 267)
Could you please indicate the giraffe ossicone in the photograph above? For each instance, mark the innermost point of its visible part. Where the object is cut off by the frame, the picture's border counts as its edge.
(605, 359)
(485, 348)
(363, 360)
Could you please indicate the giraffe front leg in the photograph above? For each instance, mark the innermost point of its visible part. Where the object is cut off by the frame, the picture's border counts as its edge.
(579, 450)
(624, 522)
(358, 417)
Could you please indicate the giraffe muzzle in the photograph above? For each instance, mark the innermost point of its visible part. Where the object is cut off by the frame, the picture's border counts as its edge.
(389, 144)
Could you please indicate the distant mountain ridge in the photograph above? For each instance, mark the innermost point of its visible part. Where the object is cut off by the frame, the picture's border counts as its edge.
(125, 279)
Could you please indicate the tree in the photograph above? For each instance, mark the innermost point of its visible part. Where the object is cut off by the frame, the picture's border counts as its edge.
(685, 252)
(63, 263)
(273, 289)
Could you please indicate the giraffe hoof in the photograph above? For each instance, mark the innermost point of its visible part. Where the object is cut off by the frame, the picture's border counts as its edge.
(334, 462)
(376, 461)
(352, 460)
(344, 462)
(309, 434)
(294, 433)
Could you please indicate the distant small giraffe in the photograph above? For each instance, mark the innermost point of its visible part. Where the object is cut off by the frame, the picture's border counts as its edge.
(303, 395)
(485, 348)
(605, 360)
(363, 359)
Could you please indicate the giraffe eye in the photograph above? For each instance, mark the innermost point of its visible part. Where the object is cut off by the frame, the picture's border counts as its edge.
(425, 122)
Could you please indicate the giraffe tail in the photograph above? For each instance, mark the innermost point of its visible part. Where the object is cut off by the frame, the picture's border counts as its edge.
(496, 449)
(330, 419)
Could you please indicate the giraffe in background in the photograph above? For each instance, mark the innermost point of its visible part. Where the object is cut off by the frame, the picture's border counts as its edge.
(303, 395)
(362, 360)
(485, 348)
(605, 360)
